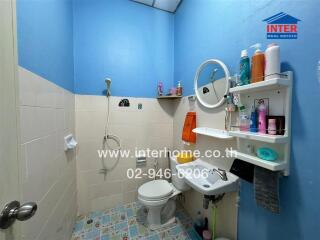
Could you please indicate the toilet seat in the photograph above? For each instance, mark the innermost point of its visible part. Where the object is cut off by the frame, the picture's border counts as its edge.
(155, 190)
(148, 199)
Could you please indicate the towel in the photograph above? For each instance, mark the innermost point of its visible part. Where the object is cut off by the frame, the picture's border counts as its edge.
(266, 187)
(189, 125)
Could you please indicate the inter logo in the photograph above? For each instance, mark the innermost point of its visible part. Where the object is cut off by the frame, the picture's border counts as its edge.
(282, 26)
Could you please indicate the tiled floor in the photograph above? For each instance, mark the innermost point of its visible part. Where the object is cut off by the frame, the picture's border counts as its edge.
(124, 223)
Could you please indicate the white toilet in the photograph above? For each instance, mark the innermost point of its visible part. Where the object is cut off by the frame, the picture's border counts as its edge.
(159, 197)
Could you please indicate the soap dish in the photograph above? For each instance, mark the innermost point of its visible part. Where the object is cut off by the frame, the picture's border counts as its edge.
(69, 142)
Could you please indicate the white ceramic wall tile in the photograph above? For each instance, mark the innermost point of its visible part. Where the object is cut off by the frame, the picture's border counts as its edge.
(46, 120)
(151, 126)
(106, 188)
(129, 197)
(106, 202)
(28, 87)
(28, 124)
(60, 98)
(46, 96)
(23, 164)
(48, 173)
(58, 223)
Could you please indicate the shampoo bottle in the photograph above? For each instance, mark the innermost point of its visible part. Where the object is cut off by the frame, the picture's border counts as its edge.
(244, 68)
(258, 64)
(262, 112)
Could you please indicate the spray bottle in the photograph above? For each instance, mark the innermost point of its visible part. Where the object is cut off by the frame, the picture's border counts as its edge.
(258, 64)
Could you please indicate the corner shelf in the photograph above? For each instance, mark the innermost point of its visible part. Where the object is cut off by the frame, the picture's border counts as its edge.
(273, 166)
(260, 137)
(211, 132)
(169, 97)
(271, 84)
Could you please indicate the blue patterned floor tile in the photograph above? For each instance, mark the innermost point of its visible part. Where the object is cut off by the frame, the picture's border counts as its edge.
(78, 227)
(154, 237)
(93, 234)
(121, 223)
(133, 231)
(122, 226)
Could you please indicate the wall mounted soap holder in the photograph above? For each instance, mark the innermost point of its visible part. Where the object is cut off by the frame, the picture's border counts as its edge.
(69, 142)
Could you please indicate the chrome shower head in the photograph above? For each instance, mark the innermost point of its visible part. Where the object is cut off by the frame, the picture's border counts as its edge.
(108, 82)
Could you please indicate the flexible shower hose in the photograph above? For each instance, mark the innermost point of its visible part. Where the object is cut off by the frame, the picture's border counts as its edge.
(105, 143)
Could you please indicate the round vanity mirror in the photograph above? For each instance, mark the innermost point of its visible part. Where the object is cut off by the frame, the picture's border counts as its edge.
(211, 83)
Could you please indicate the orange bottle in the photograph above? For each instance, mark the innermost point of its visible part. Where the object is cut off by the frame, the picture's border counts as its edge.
(258, 65)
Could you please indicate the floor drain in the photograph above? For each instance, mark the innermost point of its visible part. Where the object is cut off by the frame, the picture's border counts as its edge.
(89, 221)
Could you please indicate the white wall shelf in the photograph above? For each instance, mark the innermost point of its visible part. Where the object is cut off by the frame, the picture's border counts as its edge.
(169, 97)
(278, 91)
(211, 132)
(260, 137)
(271, 84)
(273, 166)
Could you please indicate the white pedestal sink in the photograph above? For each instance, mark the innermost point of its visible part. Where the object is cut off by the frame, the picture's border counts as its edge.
(202, 177)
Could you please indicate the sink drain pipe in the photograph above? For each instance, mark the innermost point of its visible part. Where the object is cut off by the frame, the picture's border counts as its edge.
(214, 199)
(214, 220)
(211, 198)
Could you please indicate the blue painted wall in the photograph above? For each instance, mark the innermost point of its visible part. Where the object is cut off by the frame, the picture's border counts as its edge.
(45, 39)
(221, 29)
(129, 42)
(133, 44)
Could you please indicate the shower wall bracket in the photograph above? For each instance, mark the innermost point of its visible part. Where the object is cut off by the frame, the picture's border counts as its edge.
(124, 103)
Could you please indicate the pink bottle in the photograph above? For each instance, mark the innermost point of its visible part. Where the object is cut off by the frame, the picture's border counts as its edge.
(262, 112)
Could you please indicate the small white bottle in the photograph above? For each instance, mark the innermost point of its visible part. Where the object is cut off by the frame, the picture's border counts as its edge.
(272, 55)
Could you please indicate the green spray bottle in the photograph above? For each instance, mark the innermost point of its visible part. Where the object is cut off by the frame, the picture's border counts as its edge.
(244, 68)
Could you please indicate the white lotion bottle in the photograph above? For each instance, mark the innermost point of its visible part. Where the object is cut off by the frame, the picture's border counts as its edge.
(272, 55)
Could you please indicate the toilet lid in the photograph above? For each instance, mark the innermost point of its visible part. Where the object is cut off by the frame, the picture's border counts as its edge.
(156, 189)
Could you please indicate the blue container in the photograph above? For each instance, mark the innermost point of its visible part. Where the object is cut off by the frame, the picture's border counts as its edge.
(254, 120)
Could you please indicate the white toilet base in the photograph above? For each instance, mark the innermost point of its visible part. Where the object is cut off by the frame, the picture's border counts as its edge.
(154, 227)
(161, 208)
(154, 215)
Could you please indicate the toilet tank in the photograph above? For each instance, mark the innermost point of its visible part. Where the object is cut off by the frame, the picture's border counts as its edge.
(176, 181)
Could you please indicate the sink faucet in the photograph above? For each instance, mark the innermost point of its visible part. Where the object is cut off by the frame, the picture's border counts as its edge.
(222, 173)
